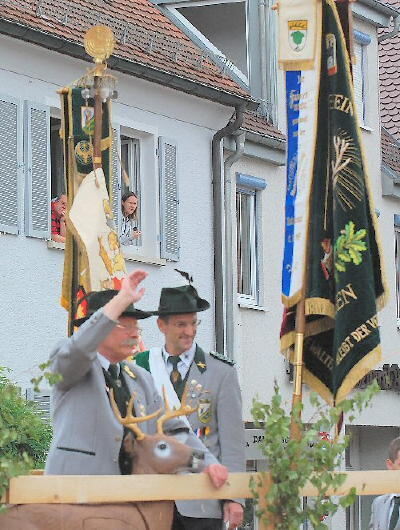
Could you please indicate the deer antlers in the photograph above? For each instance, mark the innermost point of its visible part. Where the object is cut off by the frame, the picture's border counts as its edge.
(184, 410)
(130, 420)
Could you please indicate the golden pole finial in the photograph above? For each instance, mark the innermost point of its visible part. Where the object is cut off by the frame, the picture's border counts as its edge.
(99, 43)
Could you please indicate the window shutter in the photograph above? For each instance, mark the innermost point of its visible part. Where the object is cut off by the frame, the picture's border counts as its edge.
(116, 176)
(11, 163)
(42, 400)
(358, 81)
(37, 158)
(169, 215)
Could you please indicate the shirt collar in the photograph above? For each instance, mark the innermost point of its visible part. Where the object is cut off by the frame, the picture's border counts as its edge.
(186, 357)
(105, 363)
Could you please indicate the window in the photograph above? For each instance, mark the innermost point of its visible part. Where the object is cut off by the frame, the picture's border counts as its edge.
(360, 74)
(246, 243)
(247, 237)
(150, 166)
(397, 265)
(32, 173)
(130, 160)
(57, 158)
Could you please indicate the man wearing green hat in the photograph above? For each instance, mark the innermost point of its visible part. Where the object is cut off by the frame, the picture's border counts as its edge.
(87, 437)
(218, 421)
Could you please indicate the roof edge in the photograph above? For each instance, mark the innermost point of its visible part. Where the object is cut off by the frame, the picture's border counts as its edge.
(72, 49)
(381, 8)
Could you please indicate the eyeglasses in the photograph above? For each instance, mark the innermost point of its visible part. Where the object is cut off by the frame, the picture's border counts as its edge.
(129, 329)
(183, 325)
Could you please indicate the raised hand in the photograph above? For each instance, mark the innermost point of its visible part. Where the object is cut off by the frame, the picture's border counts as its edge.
(130, 285)
(128, 294)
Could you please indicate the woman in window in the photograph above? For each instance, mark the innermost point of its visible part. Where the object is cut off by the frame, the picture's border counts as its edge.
(129, 233)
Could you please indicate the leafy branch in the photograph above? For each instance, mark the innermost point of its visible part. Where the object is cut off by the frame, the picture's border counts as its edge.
(46, 375)
(24, 436)
(314, 455)
(348, 246)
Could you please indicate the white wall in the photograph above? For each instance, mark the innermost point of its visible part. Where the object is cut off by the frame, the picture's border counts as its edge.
(32, 320)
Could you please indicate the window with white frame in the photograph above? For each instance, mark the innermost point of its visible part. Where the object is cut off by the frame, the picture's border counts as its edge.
(397, 265)
(130, 182)
(247, 235)
(147, 166)
(360, 74)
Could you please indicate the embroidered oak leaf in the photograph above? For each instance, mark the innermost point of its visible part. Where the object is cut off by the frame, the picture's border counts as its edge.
(349, 246)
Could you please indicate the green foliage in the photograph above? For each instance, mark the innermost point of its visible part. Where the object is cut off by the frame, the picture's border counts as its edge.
(51, 377)
(348, 247)
(293, 462)
(24, 436)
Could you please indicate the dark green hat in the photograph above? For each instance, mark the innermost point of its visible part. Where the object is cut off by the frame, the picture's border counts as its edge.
(180, 300)
(97, 299)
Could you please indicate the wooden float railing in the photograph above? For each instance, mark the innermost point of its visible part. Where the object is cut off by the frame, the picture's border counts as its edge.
(70, 489)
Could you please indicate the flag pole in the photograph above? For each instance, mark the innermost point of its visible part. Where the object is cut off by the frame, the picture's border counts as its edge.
(295, 429)
(98, 122)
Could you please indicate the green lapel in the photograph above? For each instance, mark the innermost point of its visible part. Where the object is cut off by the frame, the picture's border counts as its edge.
(142, 359)
(200, 359)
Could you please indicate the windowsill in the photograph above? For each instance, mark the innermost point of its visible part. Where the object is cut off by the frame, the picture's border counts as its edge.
(128, 256)
(138, 258)
(248, 304)
(55, 244)
(366, 128)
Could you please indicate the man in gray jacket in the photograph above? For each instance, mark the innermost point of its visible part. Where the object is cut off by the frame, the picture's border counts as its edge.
(87, 436)
(386, 508)
(218, 421)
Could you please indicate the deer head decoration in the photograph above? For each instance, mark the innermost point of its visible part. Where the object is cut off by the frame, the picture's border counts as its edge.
(152, 453)
(160, 452)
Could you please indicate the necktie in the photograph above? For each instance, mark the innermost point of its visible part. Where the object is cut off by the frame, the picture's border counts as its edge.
(113, 371)
(121, 395)
(175, 376)
(395, 513)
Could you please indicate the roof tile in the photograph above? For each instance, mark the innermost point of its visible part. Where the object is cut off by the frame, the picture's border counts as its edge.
(389, 73)
(144, 35)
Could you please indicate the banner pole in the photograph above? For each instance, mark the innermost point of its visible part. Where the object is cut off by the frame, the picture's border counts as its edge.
(98, 122)
(295, 430)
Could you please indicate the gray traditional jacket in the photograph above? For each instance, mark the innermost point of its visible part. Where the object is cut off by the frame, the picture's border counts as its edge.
(218, 421)
(87, 436)
(381, 512)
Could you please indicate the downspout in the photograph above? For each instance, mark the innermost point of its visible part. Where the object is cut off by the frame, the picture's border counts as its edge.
(393, 33)
(230, 288)
(263, 56)
(218, 224)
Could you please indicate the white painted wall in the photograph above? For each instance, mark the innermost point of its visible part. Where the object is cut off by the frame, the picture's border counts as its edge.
(31, 318)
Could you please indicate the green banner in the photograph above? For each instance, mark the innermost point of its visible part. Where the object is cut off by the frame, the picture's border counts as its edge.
(344, 285)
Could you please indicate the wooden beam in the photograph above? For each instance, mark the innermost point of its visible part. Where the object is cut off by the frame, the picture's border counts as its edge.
(66, 489)
(99, 488)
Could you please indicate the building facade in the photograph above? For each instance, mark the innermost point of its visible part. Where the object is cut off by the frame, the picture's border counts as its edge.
(197, 127)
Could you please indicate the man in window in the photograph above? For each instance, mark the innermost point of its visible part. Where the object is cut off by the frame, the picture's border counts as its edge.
(58, 210)
(386, 508)
(218, 421)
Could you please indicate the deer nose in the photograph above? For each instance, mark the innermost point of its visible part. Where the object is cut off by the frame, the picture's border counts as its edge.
(196, 460)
